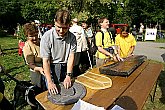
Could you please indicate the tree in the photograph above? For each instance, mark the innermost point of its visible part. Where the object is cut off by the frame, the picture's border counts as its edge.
(10, 15)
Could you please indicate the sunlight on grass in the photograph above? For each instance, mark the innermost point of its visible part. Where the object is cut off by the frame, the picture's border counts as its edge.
(16, 67)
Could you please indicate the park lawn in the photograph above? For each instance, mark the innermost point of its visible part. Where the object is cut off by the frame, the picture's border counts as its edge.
(159, 102)
(16, 67)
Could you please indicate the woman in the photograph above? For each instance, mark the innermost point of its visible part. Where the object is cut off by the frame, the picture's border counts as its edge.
(125, 42)
(31, 52)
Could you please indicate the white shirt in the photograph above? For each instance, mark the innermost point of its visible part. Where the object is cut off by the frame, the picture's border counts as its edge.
(141, 29)
(80, 37)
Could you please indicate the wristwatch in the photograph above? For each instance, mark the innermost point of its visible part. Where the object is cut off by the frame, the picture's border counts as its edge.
(69, 74)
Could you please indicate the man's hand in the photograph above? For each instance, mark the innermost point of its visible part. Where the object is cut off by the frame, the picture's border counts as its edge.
(130, 55)
(52, 88)
(119, 58)
(67, 82)
(115, 59)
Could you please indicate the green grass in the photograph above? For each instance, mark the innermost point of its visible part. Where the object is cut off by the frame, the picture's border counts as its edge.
(13, 63)
(159, 102)
(16, 67)
(160, 40)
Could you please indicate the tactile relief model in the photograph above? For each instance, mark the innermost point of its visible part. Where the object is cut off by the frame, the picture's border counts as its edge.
(123, 68)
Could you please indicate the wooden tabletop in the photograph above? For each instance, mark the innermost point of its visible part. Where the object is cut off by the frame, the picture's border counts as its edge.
(99, 97)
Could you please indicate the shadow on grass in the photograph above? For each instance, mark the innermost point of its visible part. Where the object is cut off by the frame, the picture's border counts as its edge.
(9, 51)
(10, 48)
(10, 70)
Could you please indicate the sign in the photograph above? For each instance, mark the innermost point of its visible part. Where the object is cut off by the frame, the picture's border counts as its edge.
(150, 34)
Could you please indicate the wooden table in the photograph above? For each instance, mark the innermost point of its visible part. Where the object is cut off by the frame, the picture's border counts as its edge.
(135, 88)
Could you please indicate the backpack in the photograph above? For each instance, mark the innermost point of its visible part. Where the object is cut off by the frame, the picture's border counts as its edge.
(93, 48)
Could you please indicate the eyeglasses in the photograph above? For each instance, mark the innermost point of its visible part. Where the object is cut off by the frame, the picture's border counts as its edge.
(61, 27)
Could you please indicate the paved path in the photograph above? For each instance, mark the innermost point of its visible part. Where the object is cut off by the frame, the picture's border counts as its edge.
(151, 50)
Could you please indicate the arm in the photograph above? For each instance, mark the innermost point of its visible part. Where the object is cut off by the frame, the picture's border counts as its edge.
(131, 50)
(105, 52)
(36, 68)
(117, 53)
(130, 53)
(51, 86)
(100, 49)
(30, 59)
(67, 80)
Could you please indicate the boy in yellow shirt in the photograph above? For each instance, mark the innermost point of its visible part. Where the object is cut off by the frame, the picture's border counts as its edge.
(102, 55)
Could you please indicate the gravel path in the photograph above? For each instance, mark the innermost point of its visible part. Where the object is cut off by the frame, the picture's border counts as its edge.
(152, 50)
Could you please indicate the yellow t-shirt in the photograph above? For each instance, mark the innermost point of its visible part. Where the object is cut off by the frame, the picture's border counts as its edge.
(125, 43)
(107, 43)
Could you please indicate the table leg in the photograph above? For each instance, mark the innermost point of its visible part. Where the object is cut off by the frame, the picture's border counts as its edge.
(153, 96)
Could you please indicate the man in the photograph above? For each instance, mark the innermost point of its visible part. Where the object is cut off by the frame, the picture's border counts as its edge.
(81, 54)
(103, 42)
(57, 48)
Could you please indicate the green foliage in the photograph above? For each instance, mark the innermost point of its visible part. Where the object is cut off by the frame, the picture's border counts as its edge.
(118, 11)
(20, 34)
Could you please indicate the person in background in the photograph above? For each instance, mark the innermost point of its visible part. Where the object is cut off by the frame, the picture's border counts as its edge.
(81, 56)
(113, 32)
(89, 36)
(125, 43)
(87, 31)
(31, 52)
(134, 31)
(102, 54)
(141, 30)
(57, 49)
(39, 27)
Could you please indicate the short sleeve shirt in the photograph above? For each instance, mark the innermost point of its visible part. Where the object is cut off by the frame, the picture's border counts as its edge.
(107, 43)
(56, 48)
(89, 33)
(125, 44)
